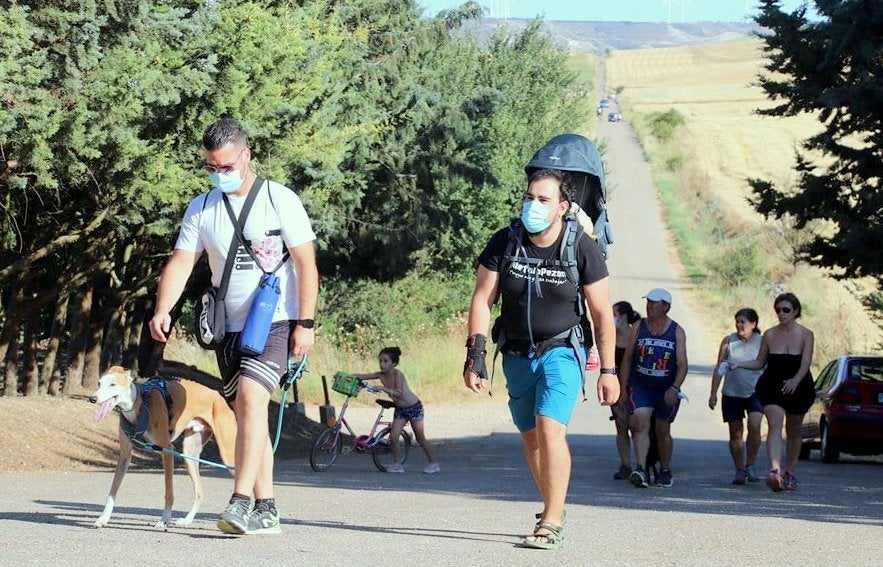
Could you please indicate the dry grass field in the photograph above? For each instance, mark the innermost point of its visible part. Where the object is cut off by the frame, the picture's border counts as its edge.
(712, 86)
(724, 143)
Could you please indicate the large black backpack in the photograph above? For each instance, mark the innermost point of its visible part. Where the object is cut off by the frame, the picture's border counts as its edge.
(578, 156)
(577, 337)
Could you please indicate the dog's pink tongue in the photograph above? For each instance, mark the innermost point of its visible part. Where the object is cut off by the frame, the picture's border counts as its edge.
(105, 409)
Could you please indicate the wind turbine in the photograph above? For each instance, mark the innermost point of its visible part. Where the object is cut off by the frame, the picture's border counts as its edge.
(683, 4)
(667, 4)
(500, 9)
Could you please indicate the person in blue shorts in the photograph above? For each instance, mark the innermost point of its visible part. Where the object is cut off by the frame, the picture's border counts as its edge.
(654, 368)
(540, 335)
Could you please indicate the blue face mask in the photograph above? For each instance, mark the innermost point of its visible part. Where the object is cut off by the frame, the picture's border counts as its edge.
(535, 217)
(226, 182)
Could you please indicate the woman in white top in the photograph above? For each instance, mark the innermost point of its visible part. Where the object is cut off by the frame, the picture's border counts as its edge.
(739, 397)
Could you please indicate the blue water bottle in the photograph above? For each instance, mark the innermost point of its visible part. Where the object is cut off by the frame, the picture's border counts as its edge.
(257, 325)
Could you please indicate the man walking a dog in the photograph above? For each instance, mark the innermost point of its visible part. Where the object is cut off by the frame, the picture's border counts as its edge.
(276, 225)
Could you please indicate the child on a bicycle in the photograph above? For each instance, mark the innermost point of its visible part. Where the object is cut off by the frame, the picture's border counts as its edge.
(408, 408)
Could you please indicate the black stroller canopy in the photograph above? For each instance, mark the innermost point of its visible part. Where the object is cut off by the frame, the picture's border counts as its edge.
(579, 156)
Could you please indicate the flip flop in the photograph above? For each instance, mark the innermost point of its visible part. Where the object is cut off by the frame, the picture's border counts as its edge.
(553, 539)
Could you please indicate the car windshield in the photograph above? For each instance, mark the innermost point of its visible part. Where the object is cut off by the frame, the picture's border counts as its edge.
(866, 370)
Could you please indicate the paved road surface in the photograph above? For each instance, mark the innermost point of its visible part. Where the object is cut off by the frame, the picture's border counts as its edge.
(476, 510)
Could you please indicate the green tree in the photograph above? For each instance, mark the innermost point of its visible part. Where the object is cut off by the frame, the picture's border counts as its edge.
(92, 175)
(831, 68)
(404, 136)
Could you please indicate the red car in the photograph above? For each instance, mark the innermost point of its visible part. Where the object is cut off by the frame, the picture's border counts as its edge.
(847, 415)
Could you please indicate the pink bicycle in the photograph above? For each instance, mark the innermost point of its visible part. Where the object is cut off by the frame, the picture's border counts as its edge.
(329, 443)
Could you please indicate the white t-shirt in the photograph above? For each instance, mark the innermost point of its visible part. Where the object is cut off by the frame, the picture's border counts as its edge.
(741, 382)
(271, 227)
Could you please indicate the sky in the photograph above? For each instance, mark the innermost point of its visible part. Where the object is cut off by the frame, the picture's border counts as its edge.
(673, 11)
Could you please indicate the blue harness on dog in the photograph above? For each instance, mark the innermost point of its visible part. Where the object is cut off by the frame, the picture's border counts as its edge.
(135, 431)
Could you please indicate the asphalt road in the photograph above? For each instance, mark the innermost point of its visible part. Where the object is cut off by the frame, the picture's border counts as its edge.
(482, 503)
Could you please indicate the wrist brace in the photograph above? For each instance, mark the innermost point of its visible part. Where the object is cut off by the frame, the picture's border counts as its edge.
(475, 355)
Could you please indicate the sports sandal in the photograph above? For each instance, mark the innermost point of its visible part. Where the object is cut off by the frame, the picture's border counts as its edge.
(539, 517)
(775, 481)
(553, 539)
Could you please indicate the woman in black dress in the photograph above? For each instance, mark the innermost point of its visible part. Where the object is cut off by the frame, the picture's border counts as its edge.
(785, 388)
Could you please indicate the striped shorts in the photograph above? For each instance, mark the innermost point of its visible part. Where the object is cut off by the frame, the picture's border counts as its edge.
(266, 369)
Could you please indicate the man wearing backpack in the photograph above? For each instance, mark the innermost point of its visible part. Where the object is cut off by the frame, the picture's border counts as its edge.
(273, 227)
(540, 334)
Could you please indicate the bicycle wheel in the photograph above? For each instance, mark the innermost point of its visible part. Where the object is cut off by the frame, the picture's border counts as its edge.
(325, 449)
(382, 452)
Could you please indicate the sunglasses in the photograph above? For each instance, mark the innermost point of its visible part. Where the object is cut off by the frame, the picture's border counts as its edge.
(783, 310)
(223, 167)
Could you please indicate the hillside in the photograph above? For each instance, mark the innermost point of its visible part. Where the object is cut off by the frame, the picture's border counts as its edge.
(599, 37)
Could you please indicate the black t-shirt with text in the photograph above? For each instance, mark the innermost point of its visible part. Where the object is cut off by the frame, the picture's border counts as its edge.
(556, 309)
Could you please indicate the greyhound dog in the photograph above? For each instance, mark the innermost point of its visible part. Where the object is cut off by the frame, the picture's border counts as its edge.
(175, 408)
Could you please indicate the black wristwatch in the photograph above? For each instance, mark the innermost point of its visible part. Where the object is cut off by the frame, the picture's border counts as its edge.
(306, 323)
(613, 370)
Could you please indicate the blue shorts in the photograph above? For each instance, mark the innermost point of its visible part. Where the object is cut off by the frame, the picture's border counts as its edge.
(547, 386)
(735, 409)
(411, 413)
(645, 398)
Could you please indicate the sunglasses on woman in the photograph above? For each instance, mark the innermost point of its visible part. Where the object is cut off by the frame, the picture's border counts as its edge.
(783, 310)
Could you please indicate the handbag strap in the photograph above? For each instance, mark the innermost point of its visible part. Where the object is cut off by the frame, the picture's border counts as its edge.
(237, 229)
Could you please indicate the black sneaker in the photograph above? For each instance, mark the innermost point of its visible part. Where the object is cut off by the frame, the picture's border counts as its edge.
(752, 475)
(741, 476)
(664, 478)
(234, 518)
(263, 520)
(639, 478)
(623, 473)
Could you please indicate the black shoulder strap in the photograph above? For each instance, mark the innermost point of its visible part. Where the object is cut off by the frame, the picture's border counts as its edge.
(237, 230)
(285, 254)
(238, 227)
(515, 232)
(515, 247)
(567, 254)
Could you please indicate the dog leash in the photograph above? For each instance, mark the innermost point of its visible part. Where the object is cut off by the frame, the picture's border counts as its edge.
(295, 371)
(158, 449)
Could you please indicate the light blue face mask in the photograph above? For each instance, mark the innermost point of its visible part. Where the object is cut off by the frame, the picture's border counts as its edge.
(226, 182)
(535, 217)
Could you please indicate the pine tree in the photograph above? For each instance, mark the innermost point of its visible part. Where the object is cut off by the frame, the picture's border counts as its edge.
(831, 68)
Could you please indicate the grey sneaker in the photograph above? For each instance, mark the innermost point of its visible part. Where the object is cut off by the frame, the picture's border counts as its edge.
(741, 476)
(664, 478)
(639, 478)
(263, 520)
(234, 518)
(752, 474)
